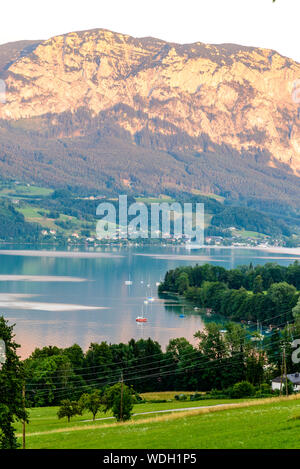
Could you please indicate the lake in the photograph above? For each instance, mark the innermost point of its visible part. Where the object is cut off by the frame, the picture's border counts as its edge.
(80, 296)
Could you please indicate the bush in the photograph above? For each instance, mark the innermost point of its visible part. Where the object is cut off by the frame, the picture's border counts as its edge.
(242, 389)
(290, 388)
(196, 397)
(156, 401)
(260, 394)
(265, 388)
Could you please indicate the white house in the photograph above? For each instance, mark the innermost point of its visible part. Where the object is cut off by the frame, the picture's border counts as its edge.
(293, 378)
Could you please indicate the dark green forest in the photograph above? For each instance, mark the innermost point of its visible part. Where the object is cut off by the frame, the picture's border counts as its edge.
(262, 293)
(13, 226)
(217, 360)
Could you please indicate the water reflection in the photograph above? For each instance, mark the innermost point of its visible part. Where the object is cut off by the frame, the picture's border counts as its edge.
(103, 286)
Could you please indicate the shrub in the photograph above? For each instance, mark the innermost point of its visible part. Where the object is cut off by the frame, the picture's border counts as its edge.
(196, 397)
(242, 389)
(181, 397)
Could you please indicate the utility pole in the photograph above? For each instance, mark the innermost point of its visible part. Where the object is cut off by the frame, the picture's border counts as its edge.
(282, 368)
(122, 390)
(24, 422)
(285, 372)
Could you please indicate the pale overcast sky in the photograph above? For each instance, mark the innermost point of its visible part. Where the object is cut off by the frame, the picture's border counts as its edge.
(248, 22)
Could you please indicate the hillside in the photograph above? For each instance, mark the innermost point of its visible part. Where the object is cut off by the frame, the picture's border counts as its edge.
(110, 113)
(269, 424)
(13, 226)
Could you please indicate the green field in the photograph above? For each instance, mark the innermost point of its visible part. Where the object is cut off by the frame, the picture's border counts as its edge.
(155, 200)
(23, 190)
(271, 423)
(248, 234)
(218, 198)
(32, 216)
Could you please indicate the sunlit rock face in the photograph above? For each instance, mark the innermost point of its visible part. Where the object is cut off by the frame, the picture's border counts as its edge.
(239, 96)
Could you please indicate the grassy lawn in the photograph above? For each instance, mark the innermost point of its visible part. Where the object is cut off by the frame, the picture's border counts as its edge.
(19, 190)
(153, 200)
(32, 216)
(168, 395)
(30, 213)
(269, 423)
(45, 418)
(248, 234)
(218, 198)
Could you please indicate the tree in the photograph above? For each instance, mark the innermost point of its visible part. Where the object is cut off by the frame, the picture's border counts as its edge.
(283, 297)
(296, 309)
(52, 372)
(69, 409)
(92, 402)
(182, 356)
(120, 399)
(242, 389)
(11, 384)
(258, 284)
(182, 283)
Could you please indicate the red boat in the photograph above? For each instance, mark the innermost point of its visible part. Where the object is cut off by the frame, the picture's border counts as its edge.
(141, 319)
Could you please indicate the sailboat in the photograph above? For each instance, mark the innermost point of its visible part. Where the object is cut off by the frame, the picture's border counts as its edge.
(150, 298)
(182, 314)
(128, 282)
(142, 317)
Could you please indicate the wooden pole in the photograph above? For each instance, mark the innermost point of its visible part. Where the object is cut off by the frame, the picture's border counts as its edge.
(24, 422)
(282, 368)
(121, 405)
(285, 372)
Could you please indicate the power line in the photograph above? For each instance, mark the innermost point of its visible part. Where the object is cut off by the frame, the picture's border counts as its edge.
(137, 358)
(138, 366)
(63, 391)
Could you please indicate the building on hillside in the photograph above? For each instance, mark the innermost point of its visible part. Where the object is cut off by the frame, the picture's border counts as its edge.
(293, 378)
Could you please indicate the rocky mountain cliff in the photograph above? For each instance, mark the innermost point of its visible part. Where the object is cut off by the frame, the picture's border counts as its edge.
(173, 106)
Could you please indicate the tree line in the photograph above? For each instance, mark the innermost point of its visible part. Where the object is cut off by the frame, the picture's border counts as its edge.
(110, 376)
(266, 293)
(217, 360)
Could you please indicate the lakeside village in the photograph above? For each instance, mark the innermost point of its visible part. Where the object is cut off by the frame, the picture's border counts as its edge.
(233, 237)
(42, 216)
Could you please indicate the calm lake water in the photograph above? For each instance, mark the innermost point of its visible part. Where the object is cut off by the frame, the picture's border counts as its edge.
(81, 297)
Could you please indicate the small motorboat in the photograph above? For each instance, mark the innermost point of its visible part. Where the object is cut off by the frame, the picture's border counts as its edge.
(141, 319)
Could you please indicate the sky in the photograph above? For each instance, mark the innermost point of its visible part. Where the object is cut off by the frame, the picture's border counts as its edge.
(260, 23)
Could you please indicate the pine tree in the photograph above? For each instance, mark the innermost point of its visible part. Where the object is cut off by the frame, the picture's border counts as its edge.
(11, 384)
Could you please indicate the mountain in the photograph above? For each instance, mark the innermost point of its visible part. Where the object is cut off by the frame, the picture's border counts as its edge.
(108, 112)
(13, 51)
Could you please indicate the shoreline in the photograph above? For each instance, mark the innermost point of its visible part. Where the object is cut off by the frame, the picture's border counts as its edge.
(274, 249)
(187, 249)
(44, 253)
